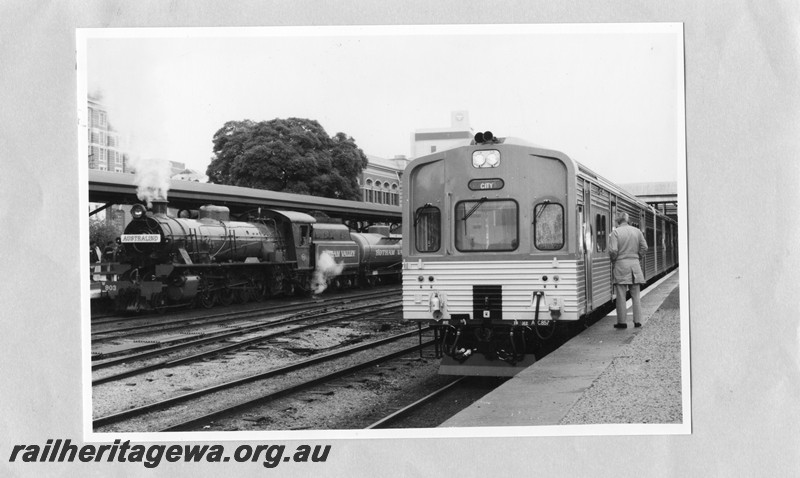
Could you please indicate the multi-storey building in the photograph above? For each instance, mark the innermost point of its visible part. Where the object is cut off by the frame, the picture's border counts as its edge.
(105, 151)
(431, 140)
(380, 181)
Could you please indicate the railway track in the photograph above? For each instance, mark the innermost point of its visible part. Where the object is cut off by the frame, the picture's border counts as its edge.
(166, 347)
(205, 419)
(225, 410)
(158, 321)
(114, 349)
(409, 409)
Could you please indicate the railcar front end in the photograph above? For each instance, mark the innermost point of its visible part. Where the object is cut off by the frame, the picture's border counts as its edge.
(490, 252)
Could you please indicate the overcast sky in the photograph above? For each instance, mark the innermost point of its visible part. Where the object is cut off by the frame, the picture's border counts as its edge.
(610, 96)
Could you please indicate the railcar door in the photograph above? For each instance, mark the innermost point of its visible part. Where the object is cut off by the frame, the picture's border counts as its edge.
(643, 228)
(587, 234)
(601, 264)
(612, 223)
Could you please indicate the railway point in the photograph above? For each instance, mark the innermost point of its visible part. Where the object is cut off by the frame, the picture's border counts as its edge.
(544, 393)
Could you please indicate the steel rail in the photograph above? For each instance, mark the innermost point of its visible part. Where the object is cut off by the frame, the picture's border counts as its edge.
(186, 343)
(292, 389)
(383, 422)
(217, 350)
(117, 417)
(268, 308)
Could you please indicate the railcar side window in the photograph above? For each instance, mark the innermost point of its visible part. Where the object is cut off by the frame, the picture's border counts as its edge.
(485, 225)
(602, 234)
(427, 229)
(548, 226)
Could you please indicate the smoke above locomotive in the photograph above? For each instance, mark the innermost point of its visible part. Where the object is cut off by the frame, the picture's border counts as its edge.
(152, 178)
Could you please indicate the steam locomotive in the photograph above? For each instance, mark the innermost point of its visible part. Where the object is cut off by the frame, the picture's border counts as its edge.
(166, 261)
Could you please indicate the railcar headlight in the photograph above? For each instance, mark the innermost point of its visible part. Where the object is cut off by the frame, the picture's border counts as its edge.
(138, 211)
(437, 305)
(486, 158)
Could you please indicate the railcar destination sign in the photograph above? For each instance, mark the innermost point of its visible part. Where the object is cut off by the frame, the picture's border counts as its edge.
(486, 184)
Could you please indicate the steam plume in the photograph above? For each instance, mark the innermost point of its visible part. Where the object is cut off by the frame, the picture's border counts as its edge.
(152, 178)
(327, 268)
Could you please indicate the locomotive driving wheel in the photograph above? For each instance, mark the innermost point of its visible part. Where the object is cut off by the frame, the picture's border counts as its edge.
(207, 298)
(225, 297)
(244, 294)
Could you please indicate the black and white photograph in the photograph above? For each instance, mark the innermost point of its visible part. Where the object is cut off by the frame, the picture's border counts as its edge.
(406, 230)
(401, 239)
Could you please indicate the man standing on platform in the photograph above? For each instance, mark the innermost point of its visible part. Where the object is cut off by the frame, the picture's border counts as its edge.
(626, 245)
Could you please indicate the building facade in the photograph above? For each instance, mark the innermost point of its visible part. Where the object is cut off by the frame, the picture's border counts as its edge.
(105, 150)
(431, 140)
(380, 181)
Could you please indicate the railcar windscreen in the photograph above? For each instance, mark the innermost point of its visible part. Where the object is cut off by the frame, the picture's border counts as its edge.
(548, 226)
(486, 225)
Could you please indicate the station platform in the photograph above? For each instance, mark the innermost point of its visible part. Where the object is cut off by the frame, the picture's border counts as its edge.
(545, 392)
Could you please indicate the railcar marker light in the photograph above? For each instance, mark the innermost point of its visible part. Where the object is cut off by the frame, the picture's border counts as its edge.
(486, 158)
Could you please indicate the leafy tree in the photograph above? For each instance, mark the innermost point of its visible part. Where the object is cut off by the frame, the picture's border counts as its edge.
(293, 155)
(101, 232)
